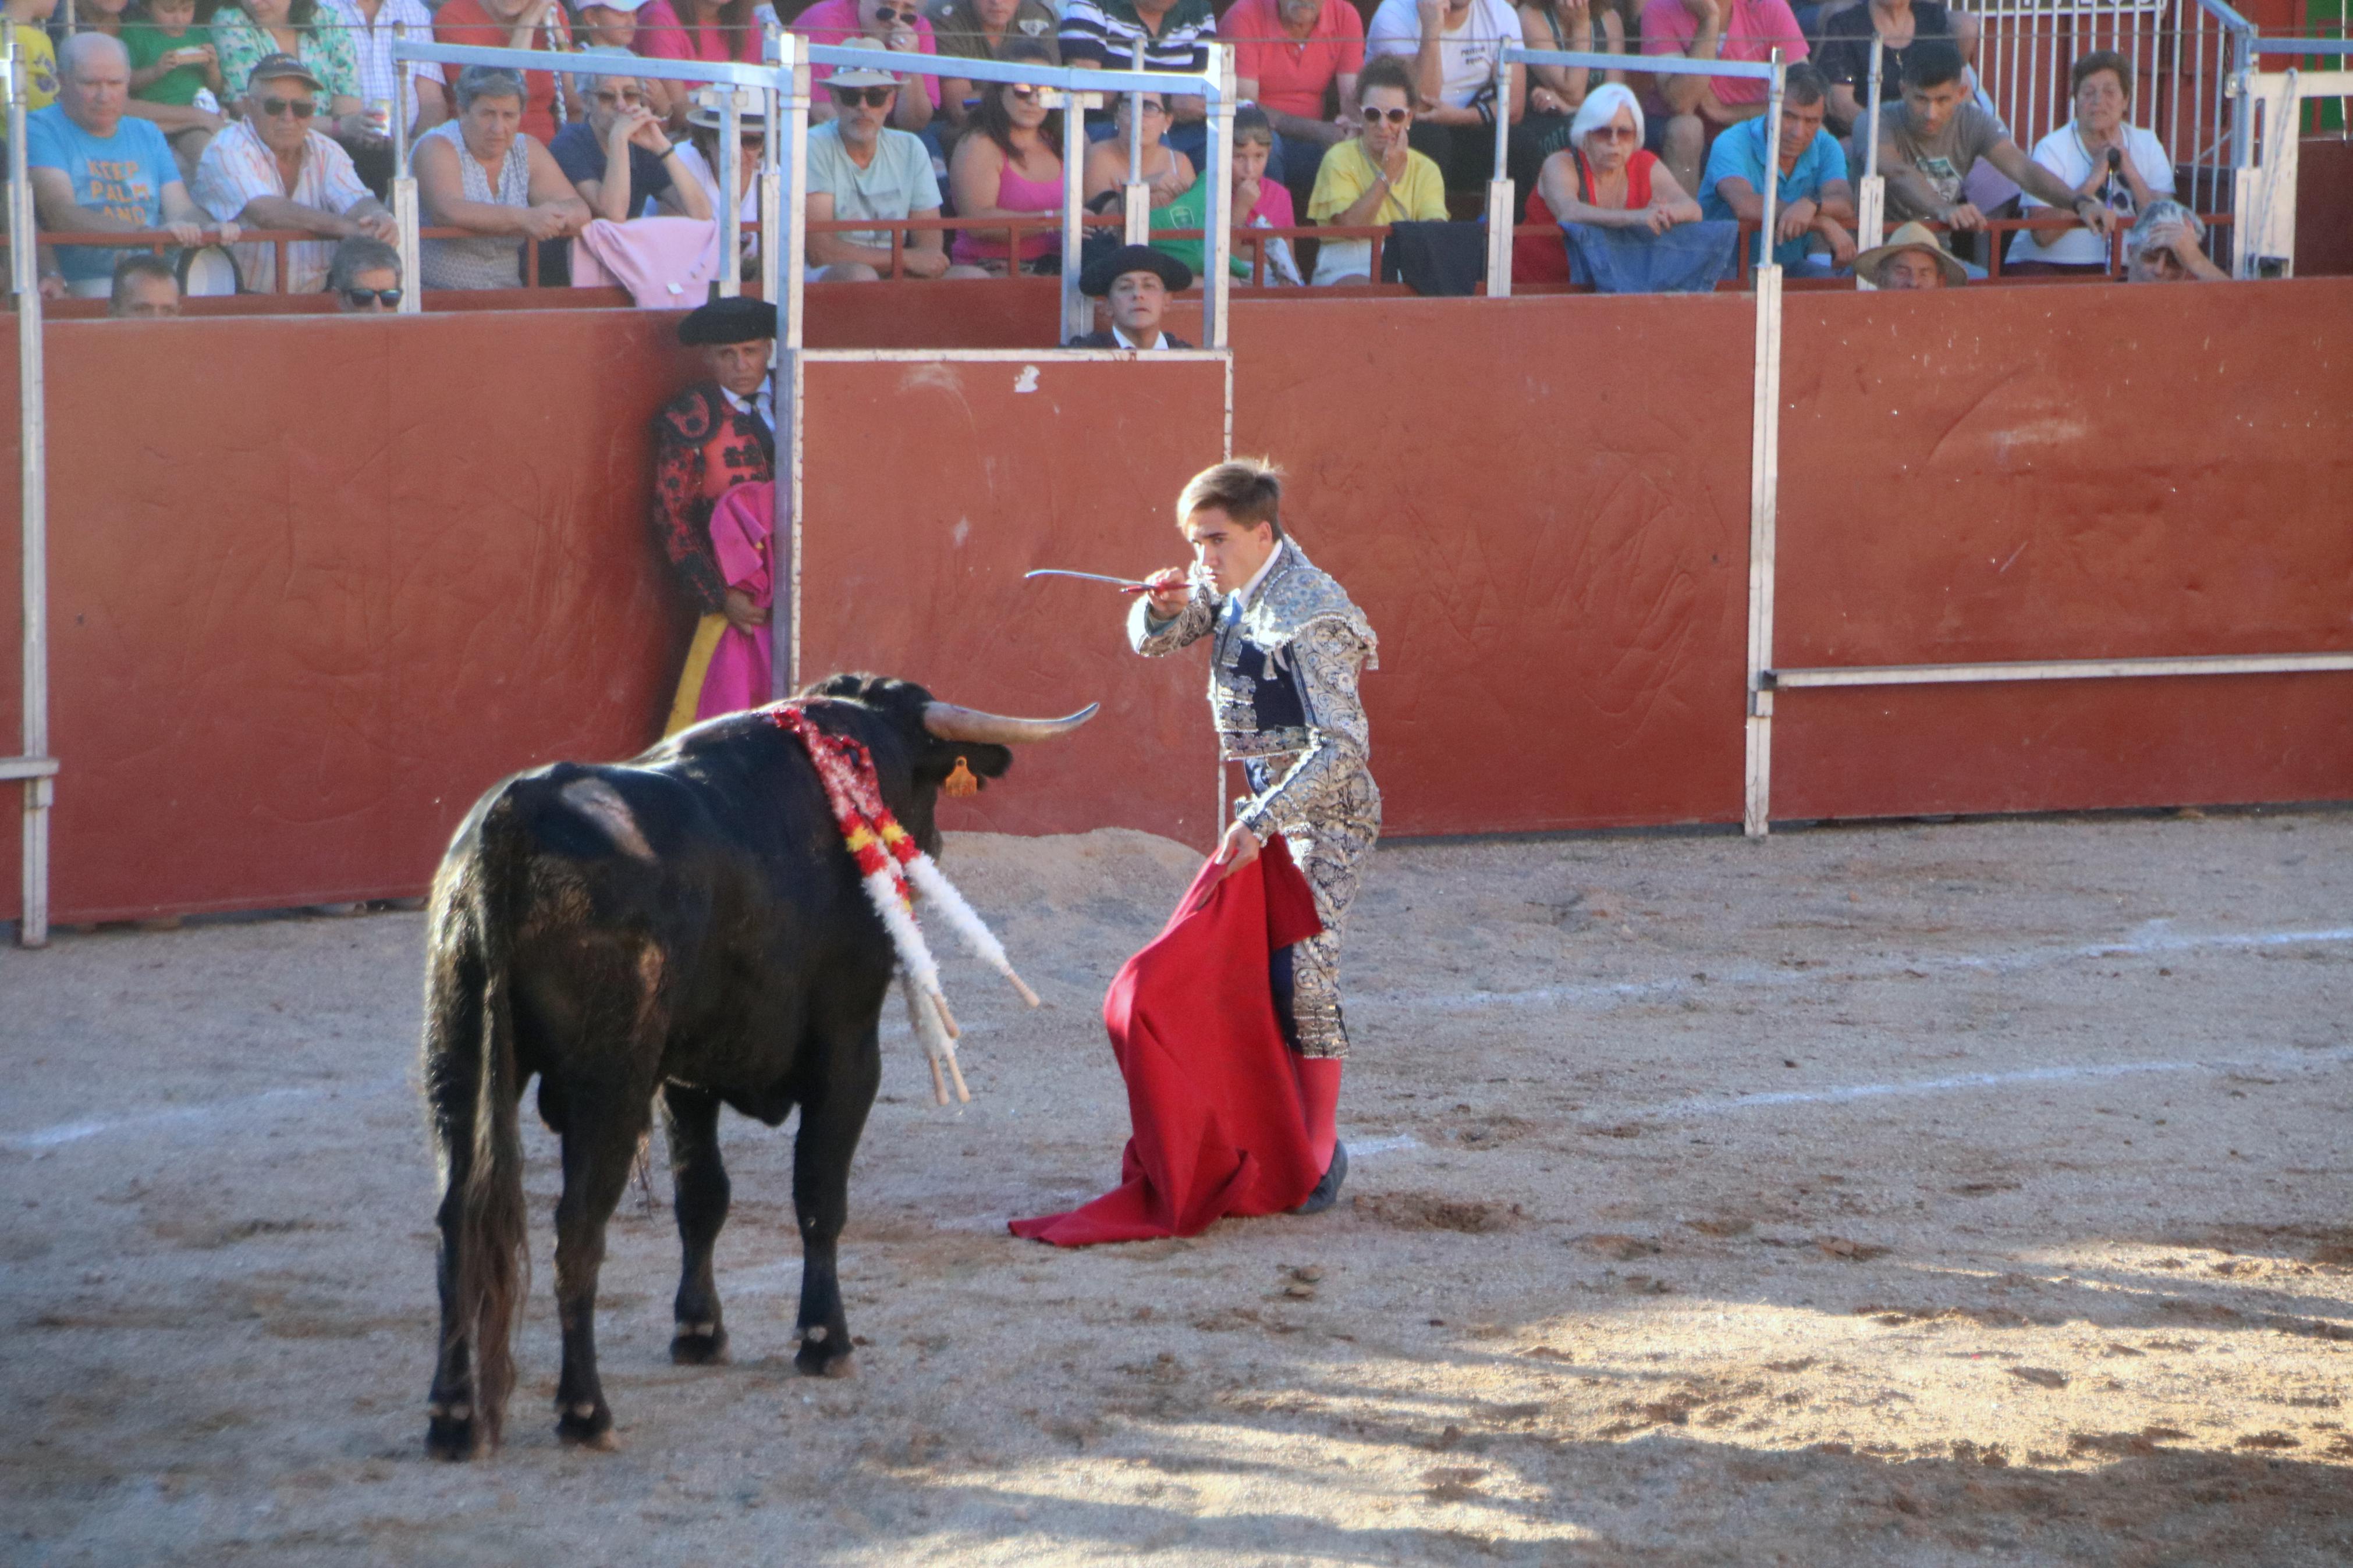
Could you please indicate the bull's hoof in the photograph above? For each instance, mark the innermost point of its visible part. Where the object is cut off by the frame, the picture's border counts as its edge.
(586, 1425)
(699, 1344)
(448, 1437)
(821, 1357)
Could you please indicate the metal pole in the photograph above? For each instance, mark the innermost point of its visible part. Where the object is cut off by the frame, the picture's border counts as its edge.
(1764, 484)
(1871, 196)
(1137, 197)
(38, 768)
(1078, 315)
(1218, 194)
(731, 175)
(1772, 191)
(771, 182)
(785, 394)
(404, 214)
(1501, 197)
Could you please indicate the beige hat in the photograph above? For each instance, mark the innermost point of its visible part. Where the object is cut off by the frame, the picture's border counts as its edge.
(861, 76)
(1913, 236)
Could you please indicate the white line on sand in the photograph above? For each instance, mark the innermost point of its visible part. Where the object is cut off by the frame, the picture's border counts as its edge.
(2150, 939)
(42, 1138)
(1844, 1093)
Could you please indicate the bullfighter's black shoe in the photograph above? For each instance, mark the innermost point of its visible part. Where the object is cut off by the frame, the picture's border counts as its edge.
(1327, 1191)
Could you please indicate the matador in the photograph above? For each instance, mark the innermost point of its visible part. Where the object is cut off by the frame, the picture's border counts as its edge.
(1288, 647)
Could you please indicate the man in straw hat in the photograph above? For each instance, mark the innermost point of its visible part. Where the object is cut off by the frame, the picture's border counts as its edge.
(1287, 648)
(1911, 260)
(714, 435)
(1137, 280)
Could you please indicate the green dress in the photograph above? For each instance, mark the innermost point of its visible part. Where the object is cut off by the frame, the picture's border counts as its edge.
(327, 51)
(146, 44)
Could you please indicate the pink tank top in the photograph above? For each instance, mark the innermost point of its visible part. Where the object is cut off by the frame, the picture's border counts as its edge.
(1014, 194)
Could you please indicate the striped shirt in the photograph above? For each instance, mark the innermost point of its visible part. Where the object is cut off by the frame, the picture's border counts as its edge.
(1104, 32)
(372, 42)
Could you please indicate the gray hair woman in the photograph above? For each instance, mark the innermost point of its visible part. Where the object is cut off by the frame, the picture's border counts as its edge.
(481, 174)
(1604, 177)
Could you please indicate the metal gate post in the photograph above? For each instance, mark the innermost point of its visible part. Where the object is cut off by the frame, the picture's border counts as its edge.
(1764, 481)
(791, 176)
(36, 768)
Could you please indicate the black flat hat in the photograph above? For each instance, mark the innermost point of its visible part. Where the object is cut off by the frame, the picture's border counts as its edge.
(731, 321)
(1103, 273)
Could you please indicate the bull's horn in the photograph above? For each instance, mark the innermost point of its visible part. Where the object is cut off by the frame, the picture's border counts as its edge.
(950, 722)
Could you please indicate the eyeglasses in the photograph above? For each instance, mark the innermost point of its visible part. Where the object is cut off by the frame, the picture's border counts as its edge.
(361, 299)
(1613, 133)
(872, 96)
(1394, 116)
(630, 97)
(300, 108)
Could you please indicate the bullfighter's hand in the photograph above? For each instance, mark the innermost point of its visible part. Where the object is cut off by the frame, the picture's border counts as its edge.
(743, 614)
(1236, 849)
(1171, 592)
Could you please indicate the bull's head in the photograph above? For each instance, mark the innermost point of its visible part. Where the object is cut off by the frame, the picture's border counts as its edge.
(941, 735)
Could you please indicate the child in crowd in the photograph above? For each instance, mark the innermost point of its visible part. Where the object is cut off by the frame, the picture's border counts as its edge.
(28, 19)
(1257, 203)
(172, 61)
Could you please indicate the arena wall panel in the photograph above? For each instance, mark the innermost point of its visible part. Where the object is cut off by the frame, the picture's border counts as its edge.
(933, 486)
(1543, 506)
(2048, 474)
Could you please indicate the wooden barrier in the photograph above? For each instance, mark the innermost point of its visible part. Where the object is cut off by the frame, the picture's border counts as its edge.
(317, 582)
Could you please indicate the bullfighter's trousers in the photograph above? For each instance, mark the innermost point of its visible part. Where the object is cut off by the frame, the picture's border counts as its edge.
(1331, 848)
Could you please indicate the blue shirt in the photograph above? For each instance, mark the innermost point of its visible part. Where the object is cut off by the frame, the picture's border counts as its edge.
(1741, 152)
(122, 175)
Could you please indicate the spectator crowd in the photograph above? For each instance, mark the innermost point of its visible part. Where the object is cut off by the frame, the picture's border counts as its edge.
(213, 120)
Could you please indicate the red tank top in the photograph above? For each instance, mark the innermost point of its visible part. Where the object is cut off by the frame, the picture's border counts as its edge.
(1544, 258)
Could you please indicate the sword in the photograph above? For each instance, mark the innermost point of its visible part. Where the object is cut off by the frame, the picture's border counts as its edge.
(1126, 585)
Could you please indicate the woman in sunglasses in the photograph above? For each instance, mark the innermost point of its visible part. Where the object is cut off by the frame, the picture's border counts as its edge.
(1374, 178)
(1008, 167)
(1604, 177)
(1168, 172)
(895, 25)
(984, 30)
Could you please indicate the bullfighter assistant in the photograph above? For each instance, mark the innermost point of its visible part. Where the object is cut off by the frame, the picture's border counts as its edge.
(1288, 647)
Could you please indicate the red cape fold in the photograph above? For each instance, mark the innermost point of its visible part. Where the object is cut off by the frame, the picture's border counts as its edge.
(1211, 1094)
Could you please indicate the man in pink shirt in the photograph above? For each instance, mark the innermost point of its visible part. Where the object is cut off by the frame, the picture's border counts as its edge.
(1684, 112)
(1292, 56)
(895, 25)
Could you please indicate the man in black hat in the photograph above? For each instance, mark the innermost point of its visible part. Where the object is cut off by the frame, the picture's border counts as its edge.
(713, 436)
(1137, 281)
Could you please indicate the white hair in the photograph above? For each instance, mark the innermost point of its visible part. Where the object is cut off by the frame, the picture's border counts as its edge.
(1601, 106)
(2157, 217)
(71, 53)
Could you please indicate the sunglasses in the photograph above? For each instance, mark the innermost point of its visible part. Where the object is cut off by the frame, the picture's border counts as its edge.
(891, 15)
(300, 108)
(1394, 116)
(872, 96)
(1026, 94)
(633, 98)
(361, 299)
(1613, 134)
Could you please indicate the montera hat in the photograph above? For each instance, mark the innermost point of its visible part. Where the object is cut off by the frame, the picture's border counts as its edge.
(284, 68)
(874, 75)
(1105, 270)
(733, 321)
(1912, 236)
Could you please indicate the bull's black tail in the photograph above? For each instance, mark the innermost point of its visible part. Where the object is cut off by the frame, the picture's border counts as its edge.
(493, 1258)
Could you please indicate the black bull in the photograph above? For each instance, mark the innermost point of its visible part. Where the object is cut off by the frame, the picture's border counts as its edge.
(689, 924)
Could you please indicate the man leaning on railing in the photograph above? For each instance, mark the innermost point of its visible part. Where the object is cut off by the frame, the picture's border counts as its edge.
(273, 170)
(95, 171)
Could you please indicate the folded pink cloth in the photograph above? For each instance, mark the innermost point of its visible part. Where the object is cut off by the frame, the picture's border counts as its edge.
(739, 673)
(665, 263)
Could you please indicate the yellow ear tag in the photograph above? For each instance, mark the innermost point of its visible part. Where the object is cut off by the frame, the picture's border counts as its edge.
(961, 783)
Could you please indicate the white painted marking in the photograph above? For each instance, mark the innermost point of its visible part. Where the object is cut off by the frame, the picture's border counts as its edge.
(1366, 1148)
(2151, 940)
(1027, 380)
(2089, 1071)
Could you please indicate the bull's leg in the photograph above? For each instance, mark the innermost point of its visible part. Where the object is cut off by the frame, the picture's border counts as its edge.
(600, 1144)
(832, 1116)
(691, 1119)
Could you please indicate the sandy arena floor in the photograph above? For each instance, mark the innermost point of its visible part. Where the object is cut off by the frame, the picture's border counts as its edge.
(1890, 1195)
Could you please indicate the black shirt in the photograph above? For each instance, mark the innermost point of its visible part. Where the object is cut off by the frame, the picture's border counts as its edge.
(1845, 54)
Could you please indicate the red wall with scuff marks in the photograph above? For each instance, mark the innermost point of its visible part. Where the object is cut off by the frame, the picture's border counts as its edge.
(317, 582)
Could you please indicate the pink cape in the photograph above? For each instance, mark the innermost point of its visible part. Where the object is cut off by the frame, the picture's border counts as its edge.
(739, 672)
(1211, 1092)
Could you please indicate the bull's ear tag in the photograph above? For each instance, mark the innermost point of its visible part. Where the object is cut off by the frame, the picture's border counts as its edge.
(961, 783)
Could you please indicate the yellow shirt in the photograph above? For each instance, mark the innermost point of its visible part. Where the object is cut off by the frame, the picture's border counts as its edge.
(1347, 174)
(40, 59)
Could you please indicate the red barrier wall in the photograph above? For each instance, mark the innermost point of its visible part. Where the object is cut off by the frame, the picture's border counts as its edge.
(2065, 474)
(315, 582)
(933, 486)
(1543, 506)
